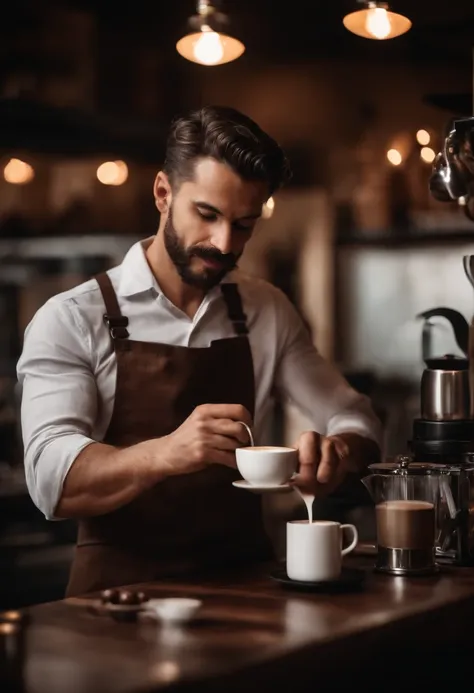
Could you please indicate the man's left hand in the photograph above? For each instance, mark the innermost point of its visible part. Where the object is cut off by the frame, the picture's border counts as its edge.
(324, 461)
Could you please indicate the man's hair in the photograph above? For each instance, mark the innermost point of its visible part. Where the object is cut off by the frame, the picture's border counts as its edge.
(229, 137)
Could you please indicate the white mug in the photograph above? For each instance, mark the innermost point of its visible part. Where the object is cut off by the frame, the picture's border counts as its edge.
(314, 550)
(266, 465)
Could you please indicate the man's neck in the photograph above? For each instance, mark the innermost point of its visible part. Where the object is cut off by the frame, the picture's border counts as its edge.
(185, 297)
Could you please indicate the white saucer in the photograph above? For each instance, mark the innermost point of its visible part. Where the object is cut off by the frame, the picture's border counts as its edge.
(174, 609)
(277, 488)
(124, 608)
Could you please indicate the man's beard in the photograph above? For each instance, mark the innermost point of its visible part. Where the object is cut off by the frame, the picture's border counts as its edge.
(182, 257)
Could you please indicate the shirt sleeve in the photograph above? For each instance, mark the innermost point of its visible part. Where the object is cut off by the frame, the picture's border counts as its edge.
(58, 399)
(315, 386)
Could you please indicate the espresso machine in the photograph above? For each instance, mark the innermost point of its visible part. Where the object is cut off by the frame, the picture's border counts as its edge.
(452, 179)
(425, 499)
(443, 440)
(438, 471)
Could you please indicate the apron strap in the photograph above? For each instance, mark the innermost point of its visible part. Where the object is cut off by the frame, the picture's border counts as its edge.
(117, 323)
(113, 318)
(235, 311)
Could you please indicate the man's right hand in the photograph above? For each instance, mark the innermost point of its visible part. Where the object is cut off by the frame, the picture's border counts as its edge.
(210, 435)
(104, 478)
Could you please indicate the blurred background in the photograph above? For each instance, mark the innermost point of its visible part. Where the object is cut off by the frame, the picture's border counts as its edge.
(87, 91)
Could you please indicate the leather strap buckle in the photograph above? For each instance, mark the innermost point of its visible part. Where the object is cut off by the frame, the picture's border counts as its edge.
(117, 325)
(240, 326)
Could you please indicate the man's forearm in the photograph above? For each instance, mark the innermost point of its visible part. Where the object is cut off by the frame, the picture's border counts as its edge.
(103, 478)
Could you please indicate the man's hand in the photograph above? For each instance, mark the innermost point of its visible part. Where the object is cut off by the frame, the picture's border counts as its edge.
(324, 461)
(104, 478)
(209, 435)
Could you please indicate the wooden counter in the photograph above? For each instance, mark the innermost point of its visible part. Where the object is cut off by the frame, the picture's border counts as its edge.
(252, 633)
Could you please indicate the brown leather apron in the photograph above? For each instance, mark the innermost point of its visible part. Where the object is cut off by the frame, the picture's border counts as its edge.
(186, 523)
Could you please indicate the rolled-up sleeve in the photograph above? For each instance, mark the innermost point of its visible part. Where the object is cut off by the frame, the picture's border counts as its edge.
(315, 386)
(58, 399)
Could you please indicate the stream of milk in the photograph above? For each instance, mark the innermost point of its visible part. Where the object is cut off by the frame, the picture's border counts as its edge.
(308, 499)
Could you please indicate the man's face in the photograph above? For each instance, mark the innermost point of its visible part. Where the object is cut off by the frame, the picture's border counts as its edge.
(209, 221)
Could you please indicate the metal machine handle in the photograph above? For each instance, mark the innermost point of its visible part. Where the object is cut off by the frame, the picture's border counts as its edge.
(459, 324)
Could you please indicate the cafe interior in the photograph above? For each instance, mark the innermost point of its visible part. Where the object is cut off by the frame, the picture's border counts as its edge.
(371, 239)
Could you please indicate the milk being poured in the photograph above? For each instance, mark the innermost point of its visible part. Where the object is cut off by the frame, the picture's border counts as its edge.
(308, 499)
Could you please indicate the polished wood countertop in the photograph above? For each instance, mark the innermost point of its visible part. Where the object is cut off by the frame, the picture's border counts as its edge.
(253, 633)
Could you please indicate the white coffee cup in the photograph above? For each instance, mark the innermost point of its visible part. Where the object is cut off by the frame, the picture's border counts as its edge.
(266, 465)
(314, 550)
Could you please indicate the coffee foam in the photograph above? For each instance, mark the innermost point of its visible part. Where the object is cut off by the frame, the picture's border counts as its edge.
(267, 448)
(406, 505)
(321, 523)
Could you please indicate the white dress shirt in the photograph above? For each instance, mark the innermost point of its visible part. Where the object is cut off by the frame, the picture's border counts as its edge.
(67, 369)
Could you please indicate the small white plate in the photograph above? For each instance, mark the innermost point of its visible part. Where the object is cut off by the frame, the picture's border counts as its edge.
(124, 608)
(277, 488)
(174, 609)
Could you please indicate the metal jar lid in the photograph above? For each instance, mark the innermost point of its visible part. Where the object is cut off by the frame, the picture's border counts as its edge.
(405, 466)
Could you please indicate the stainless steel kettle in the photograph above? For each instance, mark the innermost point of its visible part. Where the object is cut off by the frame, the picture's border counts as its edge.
(444, 394)
(453, 167)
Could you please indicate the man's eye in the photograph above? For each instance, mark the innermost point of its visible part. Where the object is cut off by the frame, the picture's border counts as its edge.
(207, 216)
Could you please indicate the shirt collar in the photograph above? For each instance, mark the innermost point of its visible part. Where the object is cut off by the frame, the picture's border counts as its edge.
(137, 277)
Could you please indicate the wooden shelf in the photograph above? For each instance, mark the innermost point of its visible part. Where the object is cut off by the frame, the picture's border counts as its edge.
(415, 239)
(114, 246)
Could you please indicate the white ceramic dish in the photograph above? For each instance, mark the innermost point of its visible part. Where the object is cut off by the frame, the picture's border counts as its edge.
(122, 608)
(174, 609)
(275, 488)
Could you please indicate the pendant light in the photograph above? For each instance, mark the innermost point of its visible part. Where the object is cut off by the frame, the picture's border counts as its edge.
(208, 41)
(376, 21)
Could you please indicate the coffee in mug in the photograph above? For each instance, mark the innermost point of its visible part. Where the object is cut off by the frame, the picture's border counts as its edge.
(405, 524)
(314, 550)
(266, 465)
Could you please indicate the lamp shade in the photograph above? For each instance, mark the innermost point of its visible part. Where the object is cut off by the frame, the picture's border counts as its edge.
(208, 39)
(376, 22)
(208, 47)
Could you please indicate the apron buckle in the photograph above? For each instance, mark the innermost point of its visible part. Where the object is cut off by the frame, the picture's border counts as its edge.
(240, 327)
(117, 325)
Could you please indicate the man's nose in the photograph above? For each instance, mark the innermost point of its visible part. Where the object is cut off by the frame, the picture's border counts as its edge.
(222, 237)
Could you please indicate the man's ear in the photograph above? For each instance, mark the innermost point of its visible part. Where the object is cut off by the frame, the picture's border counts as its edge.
(162, 192)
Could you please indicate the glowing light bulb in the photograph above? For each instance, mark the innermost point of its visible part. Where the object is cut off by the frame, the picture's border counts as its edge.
(394, 156)
(427, 154)
(423, 137)
(267, 208)
(208, 49)
(112, 173)
(378, 22)
(18, 172)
